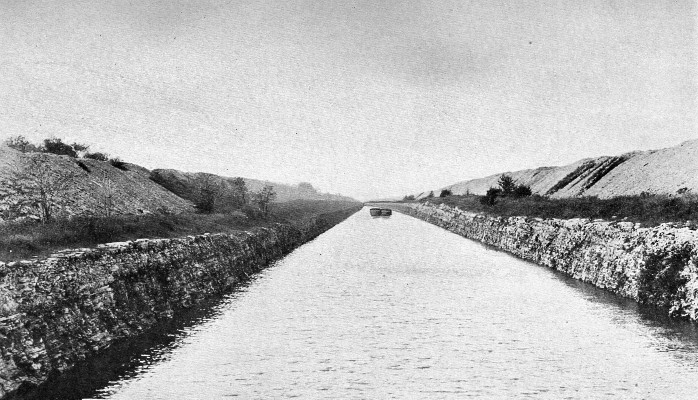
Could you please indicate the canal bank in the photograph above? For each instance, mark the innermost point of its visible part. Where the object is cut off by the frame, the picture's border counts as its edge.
(57, 311)
(396, 308)
(654, 265)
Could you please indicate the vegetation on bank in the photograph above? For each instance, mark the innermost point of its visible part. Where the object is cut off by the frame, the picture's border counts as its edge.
(33, 196)
(58, 147)
(510, 199)
(649, 210)
(33, 189)
(23, 240)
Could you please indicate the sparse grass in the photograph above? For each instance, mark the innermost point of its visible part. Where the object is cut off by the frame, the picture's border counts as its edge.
(648, 210)
(25, 240)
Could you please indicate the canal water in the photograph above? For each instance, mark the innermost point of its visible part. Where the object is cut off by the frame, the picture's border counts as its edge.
(395, 308)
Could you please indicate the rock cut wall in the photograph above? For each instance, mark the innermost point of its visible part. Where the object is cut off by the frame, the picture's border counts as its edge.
(654, 265)
(57, 311)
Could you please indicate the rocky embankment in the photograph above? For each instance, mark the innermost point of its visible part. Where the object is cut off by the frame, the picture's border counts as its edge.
(57, 311)
(652, 265)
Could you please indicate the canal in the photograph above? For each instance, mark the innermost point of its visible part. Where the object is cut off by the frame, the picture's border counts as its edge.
(395, 308)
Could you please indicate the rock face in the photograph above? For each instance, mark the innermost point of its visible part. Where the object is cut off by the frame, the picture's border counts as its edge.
(657, 265)
(57, 311)
(666, 171)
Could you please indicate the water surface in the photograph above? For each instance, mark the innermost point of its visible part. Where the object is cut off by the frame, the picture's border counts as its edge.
(394, 308)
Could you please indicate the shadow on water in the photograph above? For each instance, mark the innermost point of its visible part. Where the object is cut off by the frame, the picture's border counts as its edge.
(657, 318)
(671, 334)
(127, 357)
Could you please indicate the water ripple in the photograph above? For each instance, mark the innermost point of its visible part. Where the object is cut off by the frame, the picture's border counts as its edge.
(395, 308)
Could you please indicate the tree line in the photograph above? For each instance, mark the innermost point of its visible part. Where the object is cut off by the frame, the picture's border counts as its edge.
(507, 188)
(212, 194)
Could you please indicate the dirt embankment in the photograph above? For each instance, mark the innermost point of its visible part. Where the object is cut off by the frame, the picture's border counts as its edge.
(669, 171)
(100, 188)
(128, 190)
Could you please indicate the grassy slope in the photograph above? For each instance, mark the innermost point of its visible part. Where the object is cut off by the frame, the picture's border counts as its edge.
(22, 241)
(648, 210)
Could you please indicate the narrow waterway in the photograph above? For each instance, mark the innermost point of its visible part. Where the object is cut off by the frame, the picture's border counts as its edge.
(395, 308)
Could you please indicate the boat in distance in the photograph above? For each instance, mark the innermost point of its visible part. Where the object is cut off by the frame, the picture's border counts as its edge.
(380, 212)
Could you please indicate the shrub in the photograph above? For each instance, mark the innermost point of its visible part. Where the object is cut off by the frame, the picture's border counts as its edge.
(649, 210)
(409, 197)
(506, 184)
(97, 156)
(20, 143)
(117, 163)
(56, 146)
(22, 240)
(522, 191)
(445, 193)
(490, 198)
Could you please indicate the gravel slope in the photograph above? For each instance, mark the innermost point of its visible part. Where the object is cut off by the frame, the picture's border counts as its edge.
(665, 171)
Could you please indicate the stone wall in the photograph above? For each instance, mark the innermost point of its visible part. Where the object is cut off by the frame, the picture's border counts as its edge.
(653, 265)
(56, 311)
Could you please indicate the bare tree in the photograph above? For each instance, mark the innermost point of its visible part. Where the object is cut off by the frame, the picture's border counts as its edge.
(105, 196)
(21, 143)
(264, 197)
(34, 187)
(240, 192)
(209, 193)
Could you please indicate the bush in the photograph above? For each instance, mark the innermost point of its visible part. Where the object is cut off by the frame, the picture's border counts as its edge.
(20, 143)
(409, 197)
(117, 163)
(97, 156)
(522, 191)
(506, 184)
(490, 198)
(22, 240)
(56, 146)
(445, 193)
(649, 210)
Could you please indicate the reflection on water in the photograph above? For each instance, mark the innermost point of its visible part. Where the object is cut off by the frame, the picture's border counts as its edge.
(397, 308)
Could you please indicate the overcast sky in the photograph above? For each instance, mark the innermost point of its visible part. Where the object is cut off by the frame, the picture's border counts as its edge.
(366, 98)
